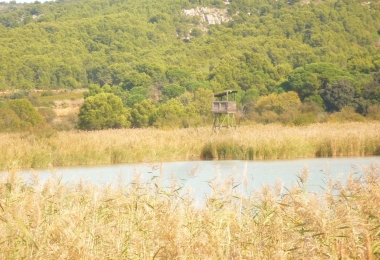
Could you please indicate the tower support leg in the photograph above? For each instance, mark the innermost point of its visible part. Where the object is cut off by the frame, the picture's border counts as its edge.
(223, 120)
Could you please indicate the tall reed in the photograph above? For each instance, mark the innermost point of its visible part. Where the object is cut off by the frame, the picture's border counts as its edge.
(56, 220)
(283, 142)
(146, 145)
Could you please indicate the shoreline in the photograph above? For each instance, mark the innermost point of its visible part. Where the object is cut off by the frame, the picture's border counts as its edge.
(45, 218)
(182, 160)
(255, 142)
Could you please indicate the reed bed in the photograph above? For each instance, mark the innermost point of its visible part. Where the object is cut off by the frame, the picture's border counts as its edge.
(136, 220)
(284, 142)
(152, 145)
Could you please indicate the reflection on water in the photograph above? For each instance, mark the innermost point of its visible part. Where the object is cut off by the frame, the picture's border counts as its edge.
(196, 175)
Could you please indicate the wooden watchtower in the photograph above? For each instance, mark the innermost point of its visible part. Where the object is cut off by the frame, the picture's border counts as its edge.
(224, 109)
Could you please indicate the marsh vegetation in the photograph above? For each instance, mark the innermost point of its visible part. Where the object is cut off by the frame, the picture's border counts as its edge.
(150, 220)
(30, 150)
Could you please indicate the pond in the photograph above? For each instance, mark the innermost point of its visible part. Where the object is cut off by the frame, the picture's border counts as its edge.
(196, 175)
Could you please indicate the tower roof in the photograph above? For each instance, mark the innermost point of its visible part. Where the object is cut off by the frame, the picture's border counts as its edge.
(225, 93)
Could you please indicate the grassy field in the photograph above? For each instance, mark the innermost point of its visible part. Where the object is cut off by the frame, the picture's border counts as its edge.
(25, 150)
(61, 96)
(56, 220)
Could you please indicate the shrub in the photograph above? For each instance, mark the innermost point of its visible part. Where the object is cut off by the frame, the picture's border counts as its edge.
(305, 119)
(26, 112)
(268, 117)
(373, 112)
(20, 94)
(134, 99)
(196, 32)
(47, 94)
(346, 114)
(278, 103)
(48, 113)
(19, 114)
(143, 114)
(9, 121)
(172, 91)
(102, 111)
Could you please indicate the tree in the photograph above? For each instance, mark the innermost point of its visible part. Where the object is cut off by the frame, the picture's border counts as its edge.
(249, 96)
(143, 91)
(102, 111)
(134, 99)
(202, 100)
(225, 75)
(170, 114)
(177, 75)
(172, 91)
(135, 79)
(196, 32)
(19, 114)
(338, 95)
(371, 91)
(194, 85)
(26, 112)
(307, 80)
(9, 121)
(278, 103)
(305, 83)
(95, 89)
(143, 114)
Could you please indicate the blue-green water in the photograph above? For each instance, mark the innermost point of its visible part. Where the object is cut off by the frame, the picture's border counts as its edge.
(196, 175)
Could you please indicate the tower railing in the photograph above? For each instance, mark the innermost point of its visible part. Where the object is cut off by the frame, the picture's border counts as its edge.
(224, 109)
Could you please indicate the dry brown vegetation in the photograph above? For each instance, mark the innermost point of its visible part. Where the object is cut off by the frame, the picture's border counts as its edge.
(24, 150)
(56, 220)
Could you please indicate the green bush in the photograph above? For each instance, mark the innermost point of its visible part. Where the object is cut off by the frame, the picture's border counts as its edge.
(143, 114)
(103, 111)
(345, 115)
(172, 91)
(196, 32)
(9, 121)
(19, 114)
(305, 119)
(26, 112)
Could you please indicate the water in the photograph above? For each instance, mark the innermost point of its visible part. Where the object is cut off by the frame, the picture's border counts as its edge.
(196, 175)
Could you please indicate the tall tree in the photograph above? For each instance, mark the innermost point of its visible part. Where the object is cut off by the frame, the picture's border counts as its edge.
(103, 111)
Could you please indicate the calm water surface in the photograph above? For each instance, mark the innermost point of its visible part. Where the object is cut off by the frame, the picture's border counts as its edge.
(195, 175)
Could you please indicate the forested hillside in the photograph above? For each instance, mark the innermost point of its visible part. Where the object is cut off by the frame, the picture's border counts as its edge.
(155, 56)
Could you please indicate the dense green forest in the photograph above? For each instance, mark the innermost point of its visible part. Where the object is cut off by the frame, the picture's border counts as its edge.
(162, 64)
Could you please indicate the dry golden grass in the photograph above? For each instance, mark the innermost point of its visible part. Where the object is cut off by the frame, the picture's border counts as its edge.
(147, 145)
(54, 220)
(67, 106)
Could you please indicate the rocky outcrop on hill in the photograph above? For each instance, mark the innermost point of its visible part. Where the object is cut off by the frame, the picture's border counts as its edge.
(209, 15)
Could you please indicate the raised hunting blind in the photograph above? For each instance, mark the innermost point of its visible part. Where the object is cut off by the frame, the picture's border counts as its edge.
(224, 109)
